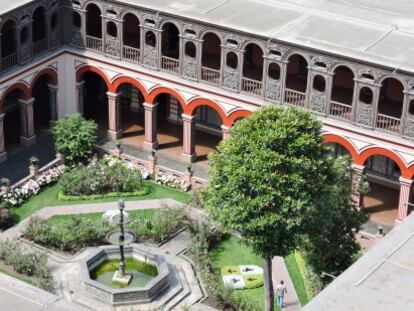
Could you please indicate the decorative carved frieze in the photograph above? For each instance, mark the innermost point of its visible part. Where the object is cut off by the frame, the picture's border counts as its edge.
(364, 114)
(273, 90)
(317, 102)
(231, 79)
(409, 127)
(190, 68)
(113, 48)
(150, 56)
(77, 40)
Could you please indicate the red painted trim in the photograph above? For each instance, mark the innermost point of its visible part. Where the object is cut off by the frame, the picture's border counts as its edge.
(332, 138)
(238, 114)
(192, 106)
(165, 90)
(363, 157)
(87, 68)
(16, 86)
(51, 73)
(121, 80)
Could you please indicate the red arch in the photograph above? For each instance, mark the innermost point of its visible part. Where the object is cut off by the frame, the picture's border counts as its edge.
(52, 74)
(363, 157)
(332, 138)
(165, 90)
(17, 86)
(88, 68)
(121, 80)
(192, 106)
(234, 116)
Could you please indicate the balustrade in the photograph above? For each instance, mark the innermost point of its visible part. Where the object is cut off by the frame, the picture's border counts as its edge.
(252, 86)
(295, 98)
(9, 61)
(94, 43)
(170, 64)
(39, 46)
(340, 111)
(210, 75)
(388, 123)
(131, 54)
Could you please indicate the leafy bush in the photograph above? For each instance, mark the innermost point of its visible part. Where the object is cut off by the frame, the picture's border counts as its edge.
(4, 217)
(101, 177)
(74, 138)
(26, 262)
(80, 231)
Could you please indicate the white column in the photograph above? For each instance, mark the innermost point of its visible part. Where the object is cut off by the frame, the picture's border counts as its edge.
(3, 154)
(80, 88)
(27, 134)
(405, 191)
(150, 141)
(188, 154)
(53, 101)
(114, 131)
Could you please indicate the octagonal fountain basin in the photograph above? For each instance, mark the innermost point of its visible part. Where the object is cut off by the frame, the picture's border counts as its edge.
(149, 275)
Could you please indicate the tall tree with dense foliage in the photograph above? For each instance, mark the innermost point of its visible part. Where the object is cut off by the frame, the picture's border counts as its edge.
(74, 138)
(265, 180)
(331, 247)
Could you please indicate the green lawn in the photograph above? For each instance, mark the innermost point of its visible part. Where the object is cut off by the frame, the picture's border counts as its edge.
(232, 252)
(49, 197)
(297, 278)
(96, 218)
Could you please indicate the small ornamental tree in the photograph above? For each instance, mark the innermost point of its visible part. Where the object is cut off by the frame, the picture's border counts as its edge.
(266, 179)
(74, 138)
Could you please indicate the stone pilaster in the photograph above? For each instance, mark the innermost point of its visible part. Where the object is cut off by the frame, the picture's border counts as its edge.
(3, 154)
(53, 101)
(405, 191)
(114, 131)
(357, 196)
(226, 131)
(80, 88)
(188, 155)
(150, 141)
(27, 134)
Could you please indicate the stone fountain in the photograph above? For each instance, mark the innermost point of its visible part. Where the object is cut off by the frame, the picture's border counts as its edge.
(121, 238)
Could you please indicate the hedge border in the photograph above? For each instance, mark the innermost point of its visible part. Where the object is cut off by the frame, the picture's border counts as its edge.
(64, 197)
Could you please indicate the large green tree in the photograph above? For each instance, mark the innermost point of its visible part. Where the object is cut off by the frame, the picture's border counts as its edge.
(267, 178)
(74, 138)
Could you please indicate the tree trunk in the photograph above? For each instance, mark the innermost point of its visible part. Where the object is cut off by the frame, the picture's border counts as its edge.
(268, 285)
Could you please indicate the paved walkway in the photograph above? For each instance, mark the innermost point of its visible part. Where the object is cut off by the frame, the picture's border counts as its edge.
(280, 272)
(16, 167)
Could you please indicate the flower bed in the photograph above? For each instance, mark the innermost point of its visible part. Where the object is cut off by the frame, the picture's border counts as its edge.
(79, 231)
(172, 181)
(18, 195)
(242, 277)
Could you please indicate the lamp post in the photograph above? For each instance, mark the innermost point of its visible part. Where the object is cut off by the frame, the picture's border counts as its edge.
(121, 238)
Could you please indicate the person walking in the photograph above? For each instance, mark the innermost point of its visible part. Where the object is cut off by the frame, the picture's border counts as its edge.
(280, 293)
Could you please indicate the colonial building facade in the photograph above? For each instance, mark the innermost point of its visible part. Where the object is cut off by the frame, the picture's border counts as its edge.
(175, 76)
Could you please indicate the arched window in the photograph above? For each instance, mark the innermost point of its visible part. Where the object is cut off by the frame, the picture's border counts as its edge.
(343, 85)
(8, 38)
(170, 41)
(211, 55)
(39, 26)
(54, 21)
(411, 107)
(111, 29)
(253, 62)
(297, 73)
(93, 21)
(274, 71)
(366, 95)
(132, 31)
(150, 39)
(190, 49)
(76, 19)
(391, 98)
(231, 60)
(24, 34)
(319, 83)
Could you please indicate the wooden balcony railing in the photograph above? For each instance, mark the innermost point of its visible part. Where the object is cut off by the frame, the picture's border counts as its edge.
(9, 61)
(252, 86)
(295, 98)
(340, 111)
(210, 75)
(387, 123)
(170, 64)
(130, 53)
(39, 46)
(94, 43)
